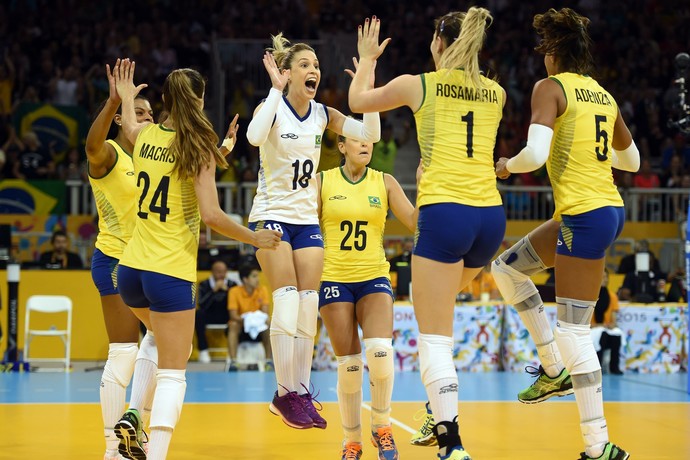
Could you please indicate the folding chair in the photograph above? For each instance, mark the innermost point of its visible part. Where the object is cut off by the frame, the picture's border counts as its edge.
(50, 304)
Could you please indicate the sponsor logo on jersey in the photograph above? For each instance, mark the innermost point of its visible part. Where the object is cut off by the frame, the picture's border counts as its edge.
(289, 136)
(338, 197)
(374, 202)
(130, 173)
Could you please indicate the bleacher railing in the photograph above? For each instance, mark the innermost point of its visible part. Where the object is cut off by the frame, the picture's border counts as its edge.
(521, 202)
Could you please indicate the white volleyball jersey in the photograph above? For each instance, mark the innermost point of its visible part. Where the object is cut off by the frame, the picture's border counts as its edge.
(288, 160)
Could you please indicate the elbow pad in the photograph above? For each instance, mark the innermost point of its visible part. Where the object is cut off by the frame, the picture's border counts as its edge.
(627, 159)
(260, 126)
(535, 153)
(367, 130)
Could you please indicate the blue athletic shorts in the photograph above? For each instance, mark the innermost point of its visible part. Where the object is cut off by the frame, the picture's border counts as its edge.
(331, 291)
(104, 273)
(590, 234)
(451, 232)
(163, 293)
(299, 236)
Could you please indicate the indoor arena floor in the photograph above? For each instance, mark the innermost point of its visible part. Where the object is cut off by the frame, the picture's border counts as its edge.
(225, 416)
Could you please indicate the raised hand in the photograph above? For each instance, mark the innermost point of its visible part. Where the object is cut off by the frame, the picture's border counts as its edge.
(279, 79)
(232, 133)
(124, 79)
(267, 239)
(368, 45)
(111, 83)
(372, 77)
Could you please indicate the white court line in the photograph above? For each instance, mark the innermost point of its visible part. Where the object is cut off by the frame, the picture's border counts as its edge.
(394, 421)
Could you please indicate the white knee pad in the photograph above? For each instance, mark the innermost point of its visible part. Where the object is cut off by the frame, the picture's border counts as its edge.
(120, 364)
(350, 373)
(285, 311)
(308, 313)
(435, 358)
(167, 402)
(380, 357)
(148, 349)
(576, 348)
(515, 287)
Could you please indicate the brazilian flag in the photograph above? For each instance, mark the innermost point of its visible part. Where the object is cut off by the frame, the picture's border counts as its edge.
(67, 126)
(40, 197)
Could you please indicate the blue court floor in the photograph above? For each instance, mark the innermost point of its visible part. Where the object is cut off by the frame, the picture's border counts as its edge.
(237, 387)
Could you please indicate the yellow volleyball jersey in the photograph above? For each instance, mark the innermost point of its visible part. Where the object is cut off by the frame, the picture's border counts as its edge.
(353, 217)
(166, 234)
(456, 129)
(114, 194)
(580, 162)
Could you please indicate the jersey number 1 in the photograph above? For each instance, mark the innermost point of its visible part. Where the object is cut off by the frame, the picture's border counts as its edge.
(160, 195)
(469, 119)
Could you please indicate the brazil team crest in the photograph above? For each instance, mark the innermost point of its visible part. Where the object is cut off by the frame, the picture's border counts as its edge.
(317, 140)
(374, 202)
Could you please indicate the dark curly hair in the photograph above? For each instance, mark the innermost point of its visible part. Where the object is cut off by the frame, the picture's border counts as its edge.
(564, 35)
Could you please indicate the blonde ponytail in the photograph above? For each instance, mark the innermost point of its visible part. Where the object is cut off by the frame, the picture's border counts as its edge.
(195, 140)
(284, 52)
(464, 51)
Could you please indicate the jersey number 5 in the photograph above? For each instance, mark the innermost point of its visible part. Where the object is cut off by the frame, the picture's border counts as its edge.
(602, 135)
(160, 195)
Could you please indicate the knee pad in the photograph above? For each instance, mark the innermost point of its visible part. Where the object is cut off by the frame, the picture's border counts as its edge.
(148, 349)
(350, 373)
(522, 258)
(120, 364)
(576, 347)
(285, 311)
(308, 313)
(171, 385)
(435, 358)
(575, 311)
(380, 357)
(515, 286)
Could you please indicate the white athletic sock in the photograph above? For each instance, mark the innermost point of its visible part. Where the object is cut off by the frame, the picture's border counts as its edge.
(113, 389)
(144, 380)
(159, 442)
(443, 398)
(143, 388)
(539, 329)
(304, 339)
(380, 359)
(303, 355)
(283, 330)
(349, 391)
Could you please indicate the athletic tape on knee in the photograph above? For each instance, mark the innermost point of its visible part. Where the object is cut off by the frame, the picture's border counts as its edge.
(435, 358)
(380, 356)
(523, 258)
(308, 313)
(148, 349)
(515, 287)
(167, 402)
(120, 364)
(593, 379)
(575, 311)
(577, 349)
(533, 301)
(285, 311)
(350, 373)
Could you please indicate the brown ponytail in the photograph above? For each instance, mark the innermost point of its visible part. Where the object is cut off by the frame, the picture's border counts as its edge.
(195, 140)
